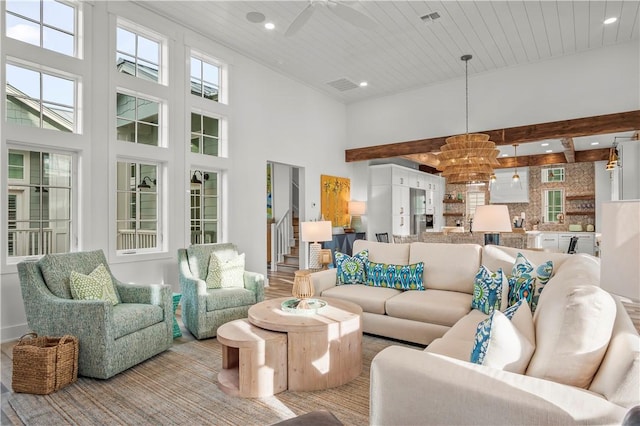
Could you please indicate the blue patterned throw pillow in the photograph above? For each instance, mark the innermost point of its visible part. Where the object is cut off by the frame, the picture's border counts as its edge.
(527, 280)
(351, 269)
(490, 290)
(400, 277)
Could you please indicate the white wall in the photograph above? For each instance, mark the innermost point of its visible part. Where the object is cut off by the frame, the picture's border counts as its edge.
(273, 118)
(595, 82)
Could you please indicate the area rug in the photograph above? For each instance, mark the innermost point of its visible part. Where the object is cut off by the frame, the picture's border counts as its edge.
(179, 386)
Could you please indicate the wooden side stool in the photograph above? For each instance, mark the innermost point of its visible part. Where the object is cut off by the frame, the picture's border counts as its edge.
(254, 360)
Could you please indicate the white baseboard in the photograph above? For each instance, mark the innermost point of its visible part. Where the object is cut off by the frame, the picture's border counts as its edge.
(8, 334)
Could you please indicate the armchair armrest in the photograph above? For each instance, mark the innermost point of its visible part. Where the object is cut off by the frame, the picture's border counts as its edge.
(254, 281)
(323, 280)
(410, 386)
(150, 294)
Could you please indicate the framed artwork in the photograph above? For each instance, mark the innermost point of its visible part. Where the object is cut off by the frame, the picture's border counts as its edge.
(335, 193)
(269, 191)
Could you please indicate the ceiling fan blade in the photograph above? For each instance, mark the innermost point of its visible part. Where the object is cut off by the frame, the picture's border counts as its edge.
(351, 15)
(300, 20)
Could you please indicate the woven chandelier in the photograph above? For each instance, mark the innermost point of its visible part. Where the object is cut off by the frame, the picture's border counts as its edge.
(470, 157)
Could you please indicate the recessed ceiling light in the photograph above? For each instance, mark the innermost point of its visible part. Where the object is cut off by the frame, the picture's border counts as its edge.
(363, 84)
(595, 143)
(548, 151)
(505, 155)
(255, 17)
(610, 20)
(544, 144)
(269, 25)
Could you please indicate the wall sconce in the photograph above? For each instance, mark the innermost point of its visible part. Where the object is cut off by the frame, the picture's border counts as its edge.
(143, 183)
(194, 178)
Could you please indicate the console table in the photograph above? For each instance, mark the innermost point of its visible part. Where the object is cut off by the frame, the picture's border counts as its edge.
(343, 242)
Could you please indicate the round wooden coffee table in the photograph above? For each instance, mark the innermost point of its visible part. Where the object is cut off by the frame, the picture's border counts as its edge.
(324, 349)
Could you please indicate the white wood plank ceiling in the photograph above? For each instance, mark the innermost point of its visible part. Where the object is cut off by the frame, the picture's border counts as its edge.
(403, 52)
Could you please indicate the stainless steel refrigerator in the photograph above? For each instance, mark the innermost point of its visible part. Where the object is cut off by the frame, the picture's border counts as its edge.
(418, 210)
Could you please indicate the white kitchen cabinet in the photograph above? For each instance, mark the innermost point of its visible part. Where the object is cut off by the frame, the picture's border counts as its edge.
(586, 242)
(389, 198)
(549, 241)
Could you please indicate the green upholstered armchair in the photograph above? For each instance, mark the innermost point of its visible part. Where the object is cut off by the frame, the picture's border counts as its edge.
(205, 309)
(110, 338)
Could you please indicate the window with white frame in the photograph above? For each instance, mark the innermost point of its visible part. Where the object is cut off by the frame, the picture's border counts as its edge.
(475, 198)
(552, 204)
(39, 204)
(138, 55)
(205, 133)
(48, 24)
(39, 99)
(204, 207)
(137, 206)
(555, 174)
(205, 79)
(137, 120)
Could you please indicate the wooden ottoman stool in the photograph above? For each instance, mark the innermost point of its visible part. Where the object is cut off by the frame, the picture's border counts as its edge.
(254, 360)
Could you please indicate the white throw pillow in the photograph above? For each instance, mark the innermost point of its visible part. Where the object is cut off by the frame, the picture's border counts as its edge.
(225, 273)
(499, 344)
(573, 328)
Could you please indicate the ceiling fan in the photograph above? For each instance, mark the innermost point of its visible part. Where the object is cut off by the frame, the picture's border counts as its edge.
(348, 13)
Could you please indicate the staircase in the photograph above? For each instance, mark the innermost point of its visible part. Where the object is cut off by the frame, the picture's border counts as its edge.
(291, 262)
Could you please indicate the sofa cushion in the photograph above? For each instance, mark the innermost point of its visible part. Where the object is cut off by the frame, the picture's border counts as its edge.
(573, 324)
(430, 306)
(131, 317)
(466, 328)
(95, 286)
(490, 290)
(499, 344)
(494, 257)
(370, 299)
(351, 269)
(451, 347)
(447, 266)
(223, 298)
(528, 280)
(397, 254)
(400, 277)
(225, 272)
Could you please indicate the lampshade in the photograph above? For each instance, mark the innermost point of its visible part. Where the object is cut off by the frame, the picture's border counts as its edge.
(491, 218)
(620, 248)
(316, 231)
(357, 208)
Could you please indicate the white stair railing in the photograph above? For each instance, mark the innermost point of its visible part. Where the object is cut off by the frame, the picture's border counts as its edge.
(281, 237)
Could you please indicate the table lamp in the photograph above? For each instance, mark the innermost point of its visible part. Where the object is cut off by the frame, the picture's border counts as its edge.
(620, 248)
(356, 210)
(491, 219)
(313, 232)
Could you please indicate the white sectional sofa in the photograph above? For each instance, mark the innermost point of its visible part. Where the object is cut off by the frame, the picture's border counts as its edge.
(585, 368)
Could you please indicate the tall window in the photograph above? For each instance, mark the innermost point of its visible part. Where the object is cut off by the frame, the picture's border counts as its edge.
(474, 199)
(205, 134)
(48, 24)
(552, 204)
(204, 207)
(39, 203)
(205, 79)
(137, 55)
(137, 206)
(38, 99)
(137, 120)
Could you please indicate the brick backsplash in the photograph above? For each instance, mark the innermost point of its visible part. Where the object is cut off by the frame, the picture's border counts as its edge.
(579, 180)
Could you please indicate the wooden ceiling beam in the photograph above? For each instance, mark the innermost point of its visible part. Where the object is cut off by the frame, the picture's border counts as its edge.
(554, 158)
(569, 150)
(595, 125)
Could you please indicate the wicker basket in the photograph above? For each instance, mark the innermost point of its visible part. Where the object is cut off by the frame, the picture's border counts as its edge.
(42, 365)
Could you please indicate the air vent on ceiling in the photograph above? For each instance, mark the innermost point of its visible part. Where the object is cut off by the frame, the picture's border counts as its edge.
(430, 17)
(342, 84)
